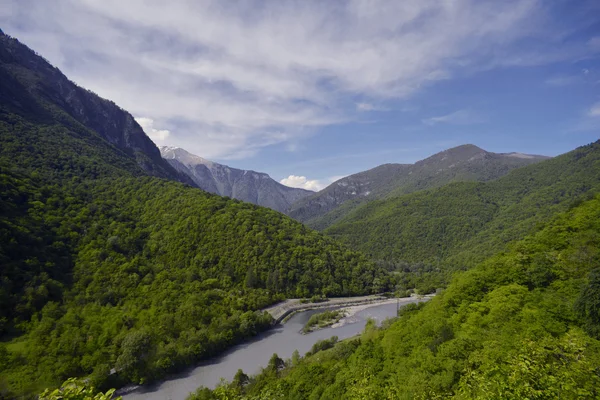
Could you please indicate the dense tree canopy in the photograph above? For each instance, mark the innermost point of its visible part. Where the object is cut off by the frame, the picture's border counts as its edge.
(110, 273)
(122, 277)
(145, 276)
(461, 224)
(512, 327)
(74, 390)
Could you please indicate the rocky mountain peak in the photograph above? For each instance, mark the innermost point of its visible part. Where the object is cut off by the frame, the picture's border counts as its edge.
(246, 185)
(183, 156)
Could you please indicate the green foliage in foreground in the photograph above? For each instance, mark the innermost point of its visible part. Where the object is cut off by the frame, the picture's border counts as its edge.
(323, 319)
(522, 324)
(75, 390)
(144, 276)
(461, 224)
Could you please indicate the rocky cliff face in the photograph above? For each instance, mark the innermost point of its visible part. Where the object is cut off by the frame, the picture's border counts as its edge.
(250, 186)
(462, 163)
(31, 86)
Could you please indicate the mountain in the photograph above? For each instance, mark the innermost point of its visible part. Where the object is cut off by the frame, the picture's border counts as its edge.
(459, 164)
(108, 263)
(249, 186)
(461, 223)
(32, 89)
(523, 324)
(115, 272)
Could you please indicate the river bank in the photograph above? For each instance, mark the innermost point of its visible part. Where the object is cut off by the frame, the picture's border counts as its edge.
(324, 319)
(255, 353)
(286, 308)
(351, 311)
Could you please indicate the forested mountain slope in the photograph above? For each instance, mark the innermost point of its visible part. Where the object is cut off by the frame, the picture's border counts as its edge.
(251, 186)
(147, 276)
(104, 267)
(523, 324)
(462, 223)
(464, 163)
(67, 117)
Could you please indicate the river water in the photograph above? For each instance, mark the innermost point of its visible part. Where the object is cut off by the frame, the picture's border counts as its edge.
(254, 354)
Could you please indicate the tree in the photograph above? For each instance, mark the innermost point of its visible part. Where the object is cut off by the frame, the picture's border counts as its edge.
(587, 305)
(295, 358)
(275, 363)
(240, 379)
(250, 281)
(74, 389)
(134, 351)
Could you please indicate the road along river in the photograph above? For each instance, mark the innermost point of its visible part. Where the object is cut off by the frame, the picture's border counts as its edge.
(282, 339)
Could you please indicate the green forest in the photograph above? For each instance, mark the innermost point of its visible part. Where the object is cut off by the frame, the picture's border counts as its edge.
(458, 225)
(114, 275)
(524, 323)
(115, 269)
(147, 276)
(465, 163)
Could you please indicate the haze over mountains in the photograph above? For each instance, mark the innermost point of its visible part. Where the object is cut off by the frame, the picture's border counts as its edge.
(458, 164)
(251, 186)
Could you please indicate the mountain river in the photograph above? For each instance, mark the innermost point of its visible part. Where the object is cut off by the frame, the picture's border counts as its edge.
(250, 356)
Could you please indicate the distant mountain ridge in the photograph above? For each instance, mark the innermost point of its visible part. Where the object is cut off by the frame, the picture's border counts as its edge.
(463, 163)
(453, 222)
(245, 185)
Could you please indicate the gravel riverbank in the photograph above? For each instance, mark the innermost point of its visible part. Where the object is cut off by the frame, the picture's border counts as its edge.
(354, 304)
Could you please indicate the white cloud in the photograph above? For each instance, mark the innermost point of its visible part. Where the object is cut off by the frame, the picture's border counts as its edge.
(228, 80)
(314, 184)
(460, 117)
(158, 136)
(369, 107)
(594, 110)
(589, 120)
(302, 183)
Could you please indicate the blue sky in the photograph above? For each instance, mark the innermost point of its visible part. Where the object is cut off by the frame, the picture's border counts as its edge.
(317, 90)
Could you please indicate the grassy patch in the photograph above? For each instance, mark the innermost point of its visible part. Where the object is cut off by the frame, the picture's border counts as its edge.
(322, 320)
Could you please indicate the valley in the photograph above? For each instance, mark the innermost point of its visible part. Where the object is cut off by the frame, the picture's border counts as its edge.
(254, 354)
(249, 186)
(150, 272)
(131, 271)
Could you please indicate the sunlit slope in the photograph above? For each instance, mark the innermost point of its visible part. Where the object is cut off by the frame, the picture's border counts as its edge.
(461, 223)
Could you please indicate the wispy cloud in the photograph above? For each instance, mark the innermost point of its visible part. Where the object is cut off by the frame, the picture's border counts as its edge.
(562, 80)
(594, 43)
(370, 107)
(589, 120)
(460, 117)
(594, 110)
(583, 76)
(227, 79)
(335, 178)
(332, 160)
